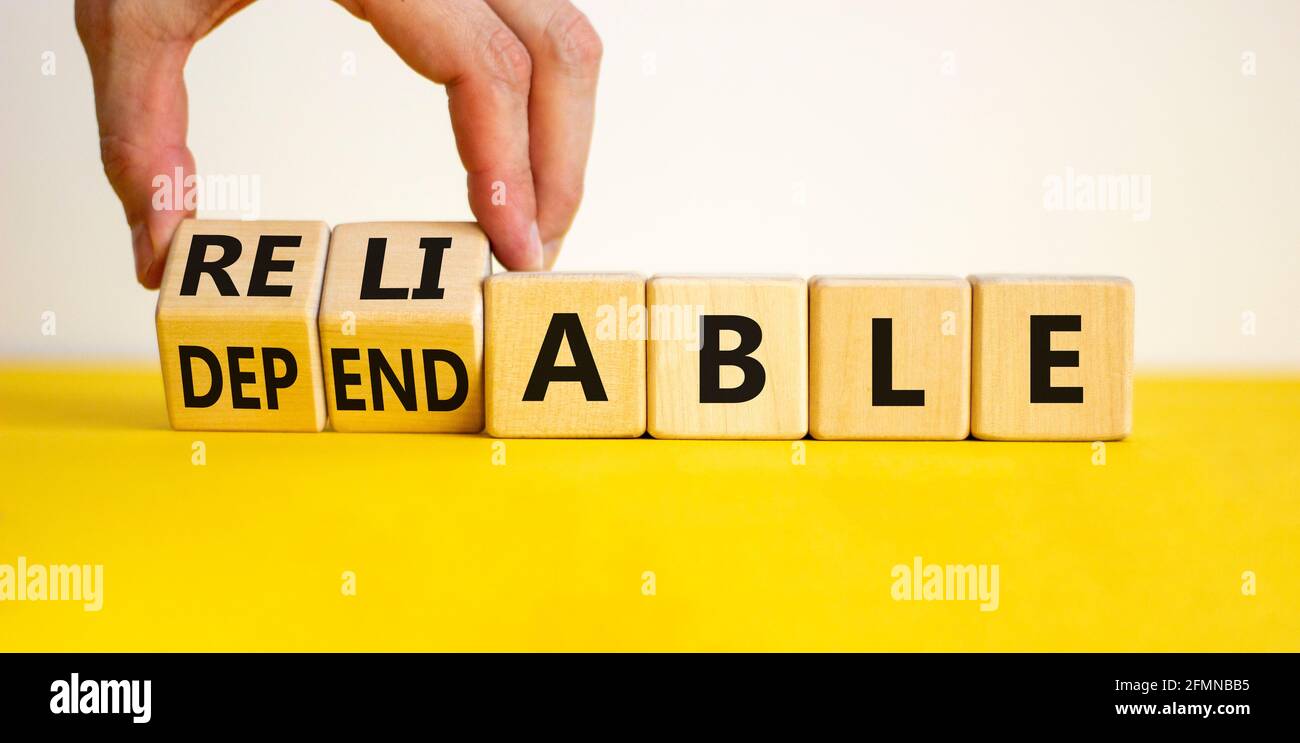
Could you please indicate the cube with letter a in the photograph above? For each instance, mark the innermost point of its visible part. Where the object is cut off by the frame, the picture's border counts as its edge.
(236, 324)
(566, 355)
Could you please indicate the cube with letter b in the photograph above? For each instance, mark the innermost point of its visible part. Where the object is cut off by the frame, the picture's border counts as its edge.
(566, 355)
(728, 357)
(1052, 358)
(237, 326)
(401, 326)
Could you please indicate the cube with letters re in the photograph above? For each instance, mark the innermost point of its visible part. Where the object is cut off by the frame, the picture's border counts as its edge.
(889, 357)
(1052, 358)
(236, 324)
(728, 357)
(566, 355)
(401, 326)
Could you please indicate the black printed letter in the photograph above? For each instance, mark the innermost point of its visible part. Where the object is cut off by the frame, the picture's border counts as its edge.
(565, 324)
(196, 264)
(264, 263)
(431, 357)
(276, 383)
(883, 393)
(344, 379)
(239, 378)
(372, 274)
(433, 248)
(188, 354)
(713, 358)
(1042, 358)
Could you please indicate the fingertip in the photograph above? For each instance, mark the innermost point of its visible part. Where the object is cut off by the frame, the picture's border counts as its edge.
(551, 251)
(152, 244)
(152, 279)
(507, 211)
(142, 249)
(516, 248)
(536, 251)
(521, 254)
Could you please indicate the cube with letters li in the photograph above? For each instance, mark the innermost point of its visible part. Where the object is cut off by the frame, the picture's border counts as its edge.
(728, 357)
(237, 326)
(401, 326)
(566, 355)
(889, 357)
(1052, 358)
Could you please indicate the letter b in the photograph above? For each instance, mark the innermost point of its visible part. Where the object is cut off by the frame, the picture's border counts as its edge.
(713, 358)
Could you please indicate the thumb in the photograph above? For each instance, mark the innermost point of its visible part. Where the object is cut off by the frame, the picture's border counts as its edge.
(141, 106)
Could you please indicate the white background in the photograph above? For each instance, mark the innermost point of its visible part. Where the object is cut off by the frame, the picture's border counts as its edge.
(796, 137)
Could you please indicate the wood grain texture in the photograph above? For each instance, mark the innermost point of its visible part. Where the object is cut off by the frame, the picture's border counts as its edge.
(779, 305)
(406, 331)
(1002, 408)
(218, 323)
(929, 321)
(521, 308)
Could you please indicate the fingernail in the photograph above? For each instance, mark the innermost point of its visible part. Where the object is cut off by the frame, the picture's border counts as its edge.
(551, 251)
(142, 246)
(536, 253)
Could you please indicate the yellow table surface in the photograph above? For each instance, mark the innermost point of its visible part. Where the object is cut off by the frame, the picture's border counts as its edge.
(548, 551)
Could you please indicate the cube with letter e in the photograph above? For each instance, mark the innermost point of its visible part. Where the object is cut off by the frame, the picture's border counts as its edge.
(236, 324)
(1052, 358)
(401, 326)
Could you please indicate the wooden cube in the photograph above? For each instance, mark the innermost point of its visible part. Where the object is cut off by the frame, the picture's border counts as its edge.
(401, 326)
(728, 357)
(237, 326)
(565, 355)
(889, 357)
(1052, 358)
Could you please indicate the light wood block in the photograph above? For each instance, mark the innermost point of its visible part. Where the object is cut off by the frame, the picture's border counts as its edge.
(566, 355)
(889, 357)
(1052, 358)
(401, 326)
(728, 357)
(236, 324)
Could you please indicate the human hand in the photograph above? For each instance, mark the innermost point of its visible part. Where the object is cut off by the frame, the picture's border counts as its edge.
(520, 78)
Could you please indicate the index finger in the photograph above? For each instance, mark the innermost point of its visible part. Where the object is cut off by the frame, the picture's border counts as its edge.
(486, 69)
(566, 53)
